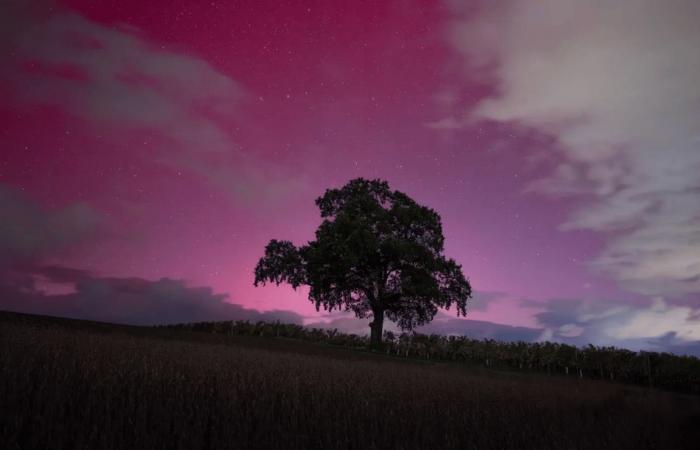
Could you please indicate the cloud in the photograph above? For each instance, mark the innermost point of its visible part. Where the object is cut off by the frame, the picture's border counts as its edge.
(114, 78)
(134, 301)
(478, 329)
(617, 84)
(657, 325)
(347, 323)
(443, 324)
(60, 274)
(482, 299)
(29, 232)
(113, 75)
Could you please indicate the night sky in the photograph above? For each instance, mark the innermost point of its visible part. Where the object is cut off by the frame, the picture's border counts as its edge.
(150, 150)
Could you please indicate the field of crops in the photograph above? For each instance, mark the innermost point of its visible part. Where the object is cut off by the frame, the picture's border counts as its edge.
(79, 385)
(661, 370)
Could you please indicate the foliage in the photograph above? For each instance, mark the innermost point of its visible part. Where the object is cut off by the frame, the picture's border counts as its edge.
(664, 370)
(377, 253)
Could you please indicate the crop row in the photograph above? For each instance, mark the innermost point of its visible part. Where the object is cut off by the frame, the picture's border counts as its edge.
(656, 369)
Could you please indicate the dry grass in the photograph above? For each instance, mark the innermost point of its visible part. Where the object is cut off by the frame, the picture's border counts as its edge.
(76, 385)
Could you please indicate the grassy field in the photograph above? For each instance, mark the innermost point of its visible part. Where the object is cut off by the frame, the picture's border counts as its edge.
(82, 385)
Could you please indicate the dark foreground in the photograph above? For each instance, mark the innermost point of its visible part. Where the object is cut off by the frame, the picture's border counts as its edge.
(81, 385)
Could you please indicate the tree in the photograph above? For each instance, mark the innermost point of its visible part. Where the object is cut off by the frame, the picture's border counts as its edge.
(377, 253)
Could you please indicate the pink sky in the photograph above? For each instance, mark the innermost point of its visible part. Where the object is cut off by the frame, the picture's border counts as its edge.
(194, 132)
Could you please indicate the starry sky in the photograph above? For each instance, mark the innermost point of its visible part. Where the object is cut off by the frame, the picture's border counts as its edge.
(150, 150)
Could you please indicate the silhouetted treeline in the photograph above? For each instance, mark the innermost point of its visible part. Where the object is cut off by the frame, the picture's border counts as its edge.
(656, 369)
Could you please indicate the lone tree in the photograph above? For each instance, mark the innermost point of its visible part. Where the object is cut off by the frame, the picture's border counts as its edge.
(377, 253)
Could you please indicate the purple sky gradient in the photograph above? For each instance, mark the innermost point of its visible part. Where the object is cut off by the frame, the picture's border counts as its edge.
(158, 146)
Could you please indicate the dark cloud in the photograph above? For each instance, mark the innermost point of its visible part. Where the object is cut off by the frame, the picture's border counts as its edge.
(482, 299)
(133, 301)
(29, 231)
(60, 274)
(346, 323)
(560, 312)
(478, 329)
(442, 324)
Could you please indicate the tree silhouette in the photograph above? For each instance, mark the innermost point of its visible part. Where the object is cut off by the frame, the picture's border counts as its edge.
(377, 253)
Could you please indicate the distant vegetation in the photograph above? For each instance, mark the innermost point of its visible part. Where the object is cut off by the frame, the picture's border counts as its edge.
(664, 370)
(81, 385)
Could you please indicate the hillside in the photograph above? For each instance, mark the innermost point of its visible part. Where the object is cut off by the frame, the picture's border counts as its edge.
(653, 369)
(86, 385)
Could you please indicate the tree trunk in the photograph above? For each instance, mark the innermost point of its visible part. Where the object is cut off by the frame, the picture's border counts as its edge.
(377, 328)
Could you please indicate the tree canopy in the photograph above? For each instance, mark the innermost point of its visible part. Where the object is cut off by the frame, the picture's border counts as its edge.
(377, 253)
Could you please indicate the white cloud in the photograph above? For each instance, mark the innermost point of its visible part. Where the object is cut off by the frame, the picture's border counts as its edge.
(610, 322)
(115, 78)
(119, 77)
(658, 320)
(617, 84)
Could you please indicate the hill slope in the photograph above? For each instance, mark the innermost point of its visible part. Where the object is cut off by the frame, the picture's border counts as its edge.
(75, 384)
